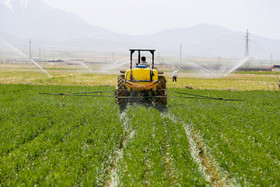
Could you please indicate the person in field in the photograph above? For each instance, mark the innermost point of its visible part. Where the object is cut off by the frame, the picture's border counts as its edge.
(143, 62)
(175, 75)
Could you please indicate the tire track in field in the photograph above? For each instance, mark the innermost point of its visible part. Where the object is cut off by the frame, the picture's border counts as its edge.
(202, 157)
(126, 137)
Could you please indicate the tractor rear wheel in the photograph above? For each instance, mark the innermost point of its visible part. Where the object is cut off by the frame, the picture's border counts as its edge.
(161, 101)
(121, 91)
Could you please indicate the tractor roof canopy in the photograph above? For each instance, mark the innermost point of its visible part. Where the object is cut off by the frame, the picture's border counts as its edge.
(152, 51)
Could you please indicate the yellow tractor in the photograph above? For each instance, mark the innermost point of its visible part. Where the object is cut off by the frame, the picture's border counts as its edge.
(141, 83)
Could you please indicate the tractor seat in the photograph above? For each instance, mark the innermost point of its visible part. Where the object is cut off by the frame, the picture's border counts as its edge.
(141, 66)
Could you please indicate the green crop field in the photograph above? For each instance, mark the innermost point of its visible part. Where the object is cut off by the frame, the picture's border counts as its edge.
(49, 140)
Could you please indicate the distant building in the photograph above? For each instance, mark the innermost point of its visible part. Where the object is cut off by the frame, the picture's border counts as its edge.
(56, 60)
(275, 68)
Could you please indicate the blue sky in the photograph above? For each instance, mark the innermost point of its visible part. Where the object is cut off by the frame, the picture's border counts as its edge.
(137, 17)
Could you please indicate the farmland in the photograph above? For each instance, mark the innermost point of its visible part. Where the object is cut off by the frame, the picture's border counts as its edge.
(72, 76)
(62, 140)
(86, 141)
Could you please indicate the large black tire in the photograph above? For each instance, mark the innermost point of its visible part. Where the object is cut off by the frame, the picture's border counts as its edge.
(121, 91)
(161, 102)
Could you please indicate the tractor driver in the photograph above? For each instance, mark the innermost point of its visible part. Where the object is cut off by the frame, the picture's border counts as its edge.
(143, 62)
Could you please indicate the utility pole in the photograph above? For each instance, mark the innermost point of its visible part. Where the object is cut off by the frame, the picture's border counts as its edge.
(247, 44)
(30, 54)
(113, 57)
(40, 53)
(180, 56)
(247, 48)
(158, 57)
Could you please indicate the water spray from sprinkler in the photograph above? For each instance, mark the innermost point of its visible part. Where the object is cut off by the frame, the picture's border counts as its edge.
(223, 71)
(83, 64)
(25, 56)
(241, 62)
(116, 64)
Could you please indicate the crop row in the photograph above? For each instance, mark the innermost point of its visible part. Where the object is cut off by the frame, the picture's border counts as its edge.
(56, 140)
(243, 136)
(158, 154)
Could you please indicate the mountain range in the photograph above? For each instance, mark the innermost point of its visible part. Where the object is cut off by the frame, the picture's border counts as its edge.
(21, 20)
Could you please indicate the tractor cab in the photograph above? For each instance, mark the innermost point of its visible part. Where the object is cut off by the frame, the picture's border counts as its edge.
(141, 83)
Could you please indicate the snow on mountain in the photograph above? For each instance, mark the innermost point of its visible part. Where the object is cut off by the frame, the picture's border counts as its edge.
(15, 5)
(35, 19)
(21, 20)
(8, 3)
